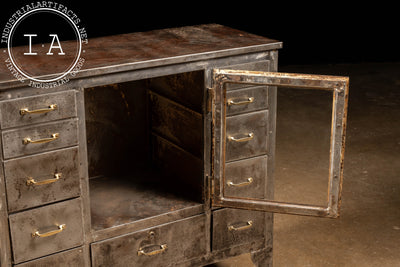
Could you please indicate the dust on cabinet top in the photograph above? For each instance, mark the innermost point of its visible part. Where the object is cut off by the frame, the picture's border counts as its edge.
(126, 52)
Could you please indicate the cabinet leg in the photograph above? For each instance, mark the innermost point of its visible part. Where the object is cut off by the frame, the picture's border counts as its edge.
(262, 257)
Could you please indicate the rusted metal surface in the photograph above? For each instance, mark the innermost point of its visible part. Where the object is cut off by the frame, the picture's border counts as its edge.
(140, 50)
(239, 172)
(14, 146)
(232, 227)
(121, 200)
(157, 165)
(175, 122)
(70, 258)
(239, 128)
(11, 110)
(339, 88)
(21, 195)
(164, 245)
(258, 96)
(44, 219)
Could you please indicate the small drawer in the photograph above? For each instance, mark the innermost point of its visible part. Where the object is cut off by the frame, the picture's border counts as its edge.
(70, 258)
(40, 179)
(246, 178)
(37, 109)
(246, 100)
(159, 246)
(246, 135)
(233, 227)
(46, 230)
(40, 138)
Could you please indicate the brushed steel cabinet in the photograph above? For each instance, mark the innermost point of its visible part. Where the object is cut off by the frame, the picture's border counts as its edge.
(156, 158)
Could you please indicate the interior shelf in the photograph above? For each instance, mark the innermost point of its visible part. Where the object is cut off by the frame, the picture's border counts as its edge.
(120, 200)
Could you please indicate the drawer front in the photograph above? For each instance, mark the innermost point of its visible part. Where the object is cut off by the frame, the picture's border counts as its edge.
(263, 65)
(40, 179)
(233, 227)
(246, 100)
(70, 258)
(37, 109)
(158, 246)
(40, 231)
(246, 135)
(246, 178)
(52, 135)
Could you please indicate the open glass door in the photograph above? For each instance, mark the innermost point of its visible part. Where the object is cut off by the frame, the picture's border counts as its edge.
(225, 142)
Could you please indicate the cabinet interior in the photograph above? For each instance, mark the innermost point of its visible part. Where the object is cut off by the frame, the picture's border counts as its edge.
(144, 147)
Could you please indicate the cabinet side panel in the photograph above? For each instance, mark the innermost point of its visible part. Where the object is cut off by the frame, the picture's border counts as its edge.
(5, 246)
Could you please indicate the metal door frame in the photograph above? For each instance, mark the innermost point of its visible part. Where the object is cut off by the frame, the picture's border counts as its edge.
(339, 86)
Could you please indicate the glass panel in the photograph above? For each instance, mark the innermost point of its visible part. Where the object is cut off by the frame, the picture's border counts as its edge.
(303, 129)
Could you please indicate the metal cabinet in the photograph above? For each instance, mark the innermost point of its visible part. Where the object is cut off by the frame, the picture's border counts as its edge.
(163, 158)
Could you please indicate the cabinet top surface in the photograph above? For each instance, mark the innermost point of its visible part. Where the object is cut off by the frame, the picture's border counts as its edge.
(139, 50)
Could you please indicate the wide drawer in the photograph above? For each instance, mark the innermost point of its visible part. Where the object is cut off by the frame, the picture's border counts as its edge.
(159, 246)
(40, 179)
(40, 138)
(246, 178)
(46, 230)
(70, 258)
(246, 100)
(232, 227)
(37, 109)
(246, 135)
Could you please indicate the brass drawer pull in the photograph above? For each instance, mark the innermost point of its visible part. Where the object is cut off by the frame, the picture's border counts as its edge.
(32, 181)
(28, 140)
(24, 111)
(249, 181)
(59, 230)
(141, 250)
(248, 101)
(248, 225)
(244, 139)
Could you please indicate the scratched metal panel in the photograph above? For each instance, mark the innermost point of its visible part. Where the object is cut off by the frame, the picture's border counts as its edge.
(44, 220)
(23, 192)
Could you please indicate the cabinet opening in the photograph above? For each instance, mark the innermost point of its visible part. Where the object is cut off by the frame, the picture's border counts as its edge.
(144, 148)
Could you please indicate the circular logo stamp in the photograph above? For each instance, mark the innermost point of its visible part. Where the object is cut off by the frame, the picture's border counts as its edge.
(44, 43)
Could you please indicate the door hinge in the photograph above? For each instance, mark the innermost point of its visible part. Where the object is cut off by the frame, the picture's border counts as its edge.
(210, 99)
(211, 186)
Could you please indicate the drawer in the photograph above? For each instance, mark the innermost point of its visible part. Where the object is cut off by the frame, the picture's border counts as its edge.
(233, 227)
(70, 258)
(40, 179)
(246, 100)
(246, 135)
(39, 232)
(49, 136)
(263, 65)
(246, 178)
(159, 246)
(37, 109)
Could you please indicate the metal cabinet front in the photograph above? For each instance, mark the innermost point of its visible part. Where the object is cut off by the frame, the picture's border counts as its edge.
(69, 258)
(45, 230)
(246, 135)
(246, 100)
(159, 246)
(40, 138)
(41, 179)
(37, 109)
(233, 227)
(247, 177)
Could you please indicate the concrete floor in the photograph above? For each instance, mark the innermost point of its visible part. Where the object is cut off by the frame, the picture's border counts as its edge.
(368, 230)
